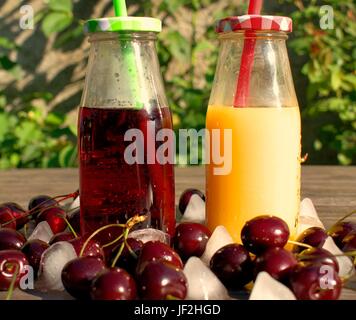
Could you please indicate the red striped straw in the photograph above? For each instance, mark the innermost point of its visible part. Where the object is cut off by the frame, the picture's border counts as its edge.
(243, 81)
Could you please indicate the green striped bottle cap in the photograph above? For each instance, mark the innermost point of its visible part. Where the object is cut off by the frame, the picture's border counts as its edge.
(117, 24)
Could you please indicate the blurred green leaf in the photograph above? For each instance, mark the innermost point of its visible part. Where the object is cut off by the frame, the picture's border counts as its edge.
(61, 5)
(56, 22)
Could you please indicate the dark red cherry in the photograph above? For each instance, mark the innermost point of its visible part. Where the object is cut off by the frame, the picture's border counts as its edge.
(38, 203)
(340, 230)
(33, 250)
(55, 218)
(78, 274)
(157, 251)
(128, 259)
(62, 236)
(313, 236)
(264, 232)
(7, 219)
(11, 239)
(190, 239)
(349, 243)
(315, 282)
(318, 256)
(160, 280)
(74, 220)
(185, 197)
(232, 265)
(18, 212)
(278, 262)
(114, 284)
(92, 249)
(12, 262)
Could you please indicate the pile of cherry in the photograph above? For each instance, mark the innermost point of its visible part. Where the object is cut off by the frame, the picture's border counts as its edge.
(121, 262)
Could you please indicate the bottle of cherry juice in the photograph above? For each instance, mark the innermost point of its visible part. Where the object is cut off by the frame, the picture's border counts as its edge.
(125, 156)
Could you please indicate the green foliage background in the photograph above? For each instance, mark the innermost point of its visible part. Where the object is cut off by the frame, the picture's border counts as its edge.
(33, 136)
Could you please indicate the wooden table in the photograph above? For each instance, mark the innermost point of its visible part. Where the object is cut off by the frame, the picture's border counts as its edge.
(332, 189)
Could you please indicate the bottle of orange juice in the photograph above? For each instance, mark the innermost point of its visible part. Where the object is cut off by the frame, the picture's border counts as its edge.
(253, 100)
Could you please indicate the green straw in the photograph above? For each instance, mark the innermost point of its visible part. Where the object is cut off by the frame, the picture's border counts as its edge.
(129, 58)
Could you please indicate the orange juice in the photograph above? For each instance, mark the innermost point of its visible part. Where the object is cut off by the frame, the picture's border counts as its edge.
(265, 171)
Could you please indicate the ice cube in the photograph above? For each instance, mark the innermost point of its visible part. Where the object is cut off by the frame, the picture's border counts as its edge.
(268, 288)
(150, 234)
(308, 217)
(74, 205)
(218, 239)
(52, 262)
(346, 266)
(202, 282)
(42, 232)
(195, 211)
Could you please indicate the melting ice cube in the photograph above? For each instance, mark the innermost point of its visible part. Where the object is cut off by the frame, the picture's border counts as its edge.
(308, 217)
(268, 288)
(195, 211)
(346, 266)
(52, 262)
(218, 239)
(42, 232)
(150, 234)
(202, 282)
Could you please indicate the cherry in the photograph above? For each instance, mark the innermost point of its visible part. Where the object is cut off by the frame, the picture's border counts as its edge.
(278, 262)
(92, 249)
(114, 284)
(78, 274)
(62, 236)
(155, 251)
(54, 216)
(190, 239)
(18, 212)
(185, 197)
(313, 236)
(160, 280)
(10, 262)
(11, 239)
(264, 232)
(232, 265)
(311, 282)
(38, 203)
(7, 219)
(33, 250)
(349, 243)
(340, 230)
(127, 260)
(318, 256)
(74, 220)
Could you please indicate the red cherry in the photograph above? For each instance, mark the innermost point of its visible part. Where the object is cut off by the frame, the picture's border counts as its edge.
(185, 198)
(314, 237)
(7, 219)
(74, 220)
(54, 217)
(33, 250)
(190, 239)
(38, 203)
(232, 265)
(92, 249)
(264, 232)
(340, 230)
(62, 236)
(114, 284)
(10, 260)
(78, 274)
(349, 243)
(18, 212)
(11, 239)
(160, 280)
(278, 262)
(318, 256)
(157, 251)
(312, 282)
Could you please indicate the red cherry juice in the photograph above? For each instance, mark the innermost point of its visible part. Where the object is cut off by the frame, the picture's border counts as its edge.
(111, 190)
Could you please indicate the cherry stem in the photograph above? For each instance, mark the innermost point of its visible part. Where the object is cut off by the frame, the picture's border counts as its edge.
(341, 220)
(300, 244)
(130, 249)
(171, 297)
(70, 227)
(126, 232)
(96, 232)
(12, 284)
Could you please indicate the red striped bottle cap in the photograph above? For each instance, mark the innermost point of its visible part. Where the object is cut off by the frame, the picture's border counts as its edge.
(254, 23)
